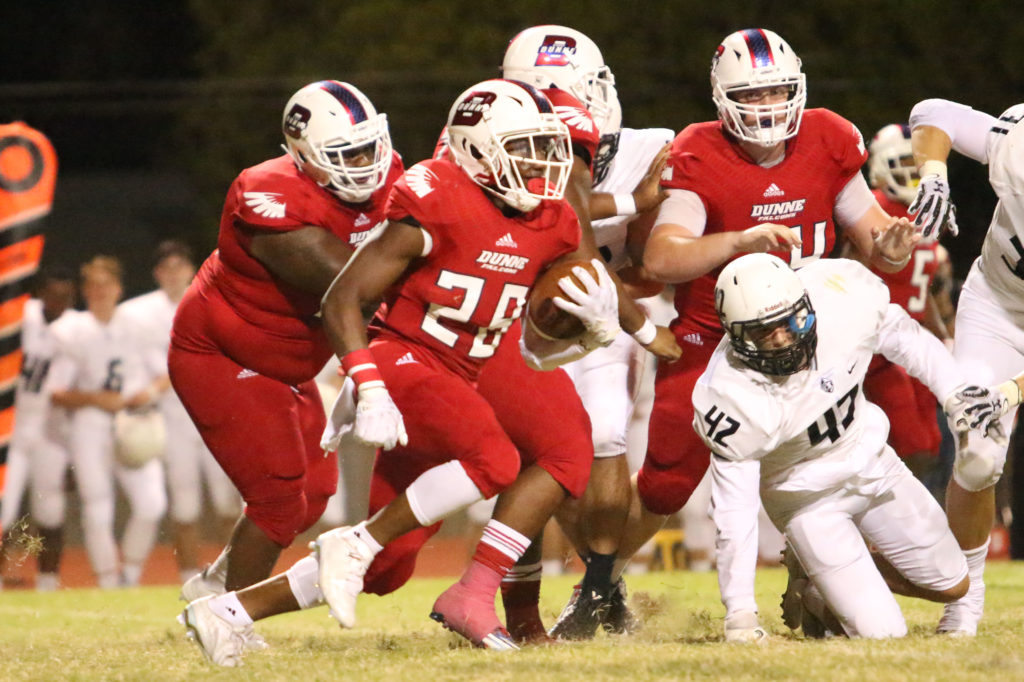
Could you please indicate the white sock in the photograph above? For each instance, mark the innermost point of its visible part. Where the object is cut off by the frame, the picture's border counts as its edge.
(227, 607)
(47, 582)
(132, 574)
(304, 581)
(108, 581)
(218, 570)
(976, 569)
(525, 573)
(360, 532)
(506, 540)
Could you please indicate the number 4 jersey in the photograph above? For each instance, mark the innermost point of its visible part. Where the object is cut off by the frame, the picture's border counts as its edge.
(814, 430)
(482, 262)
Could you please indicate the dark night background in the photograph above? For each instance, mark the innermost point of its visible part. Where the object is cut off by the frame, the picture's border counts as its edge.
(154, 107)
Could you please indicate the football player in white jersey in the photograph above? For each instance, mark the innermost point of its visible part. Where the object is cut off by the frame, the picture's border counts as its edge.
(187, 461)
(989, 332)
(782, 408)
(38, 455)
(97, 372)
(625, 183)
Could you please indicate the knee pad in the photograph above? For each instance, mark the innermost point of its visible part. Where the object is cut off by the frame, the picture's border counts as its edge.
(979, 465)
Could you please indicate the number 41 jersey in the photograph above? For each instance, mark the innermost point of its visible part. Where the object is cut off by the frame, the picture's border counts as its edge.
(473, 282)
(814, 429)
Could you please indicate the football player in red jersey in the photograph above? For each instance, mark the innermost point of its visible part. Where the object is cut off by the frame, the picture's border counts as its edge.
(767, 176)
(914, 431)
(247, 341)
(465, 240)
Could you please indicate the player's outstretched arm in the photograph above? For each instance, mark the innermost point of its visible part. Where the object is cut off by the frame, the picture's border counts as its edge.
(645, 197)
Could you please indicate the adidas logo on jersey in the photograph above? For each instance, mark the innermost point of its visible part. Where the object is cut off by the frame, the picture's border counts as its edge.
(693, 339)
(779, 210)
(507, 242)
(406, 359)
(773, 191)
(246, 374)
(363, 219)
(264, 204)
(501, 262)
(418, 178)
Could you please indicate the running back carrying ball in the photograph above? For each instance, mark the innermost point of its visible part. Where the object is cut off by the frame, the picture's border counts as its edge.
(544, 315)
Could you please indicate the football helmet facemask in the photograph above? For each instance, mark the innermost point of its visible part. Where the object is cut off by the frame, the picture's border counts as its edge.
(891, 166)
(767, 314)
(561, 57)
(754, 59)
(337, 138)
(505, 135)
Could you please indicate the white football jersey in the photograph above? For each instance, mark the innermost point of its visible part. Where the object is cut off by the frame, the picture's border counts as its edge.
(38, 348)
(1003, 250)
(814, 430)
(152, 316)
(637, 148)
(93, 356)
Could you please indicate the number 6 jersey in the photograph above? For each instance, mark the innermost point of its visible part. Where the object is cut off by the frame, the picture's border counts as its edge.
(814, 430)
(480, 265)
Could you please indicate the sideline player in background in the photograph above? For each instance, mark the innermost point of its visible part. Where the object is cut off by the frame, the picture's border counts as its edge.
(506, 176)
(989, 335)
(798, 344)
(247, 342)
(39, 443)
(914, 429)
(768, 176)
(625, 182)
(187, 462)
(97, 371)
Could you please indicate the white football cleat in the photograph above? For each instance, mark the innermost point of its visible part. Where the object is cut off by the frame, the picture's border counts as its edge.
(221, 642)
(743, 626)
(342, 558)
(202, 584)
(961, 617)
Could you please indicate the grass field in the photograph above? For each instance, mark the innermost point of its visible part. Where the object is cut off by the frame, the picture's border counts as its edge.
(132, 635)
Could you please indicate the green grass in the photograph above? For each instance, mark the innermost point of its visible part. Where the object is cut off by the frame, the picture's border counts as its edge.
(132, 635)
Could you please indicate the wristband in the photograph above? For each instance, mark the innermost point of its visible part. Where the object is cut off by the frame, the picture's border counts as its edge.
(360, 366)
(932, 167)
(625, 204)
(890, 261)
(1011, 391)
(646, 333)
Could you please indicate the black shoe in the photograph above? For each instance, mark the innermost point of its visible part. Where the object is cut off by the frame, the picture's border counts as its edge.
(581, 617)
(619, 620)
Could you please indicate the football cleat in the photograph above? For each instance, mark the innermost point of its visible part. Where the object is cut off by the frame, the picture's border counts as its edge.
(619, 620)
(744, 627)
(802, 604)
(204, 584)
(582, 615)
(343, 559)
(961, 617)
(466, 614)
(221, 642)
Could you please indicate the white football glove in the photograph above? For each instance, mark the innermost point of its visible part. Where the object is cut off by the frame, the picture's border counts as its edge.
(935, 211)
(597, 305)
(980, 407)
(743, 626)
(378, 421)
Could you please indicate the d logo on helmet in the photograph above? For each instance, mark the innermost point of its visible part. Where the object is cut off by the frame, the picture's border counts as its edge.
(555, 51)
(296, 121)
(472, 108)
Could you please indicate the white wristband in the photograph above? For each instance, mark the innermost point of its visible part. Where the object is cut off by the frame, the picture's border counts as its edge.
(646, 333)
(932, 167)
(624, 204)
(892, 262)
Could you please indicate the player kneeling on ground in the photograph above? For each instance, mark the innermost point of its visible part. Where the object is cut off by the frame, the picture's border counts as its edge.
(782, 408)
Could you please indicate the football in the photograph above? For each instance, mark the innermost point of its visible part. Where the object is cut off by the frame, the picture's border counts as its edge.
(548, 318)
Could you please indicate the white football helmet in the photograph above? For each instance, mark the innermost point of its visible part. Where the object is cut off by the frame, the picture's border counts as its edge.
(891, 166)
(338, 139)
(139, 437)
(561, 57)
(609, 144)
(755, 295)
(505, 135)
(758, 58)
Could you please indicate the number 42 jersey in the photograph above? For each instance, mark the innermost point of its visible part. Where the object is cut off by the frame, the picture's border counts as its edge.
(480, 266)
(814, 430)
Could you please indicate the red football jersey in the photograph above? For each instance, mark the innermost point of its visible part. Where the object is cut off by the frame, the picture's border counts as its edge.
(583, 131)
(473, 284)
(909, 287)
(268, 325)
(799, 192)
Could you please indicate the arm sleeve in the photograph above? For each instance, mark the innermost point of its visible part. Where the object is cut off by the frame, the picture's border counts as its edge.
(967, 129)
(683, 207)
(908, 344)
(735, 500)
(853, 201)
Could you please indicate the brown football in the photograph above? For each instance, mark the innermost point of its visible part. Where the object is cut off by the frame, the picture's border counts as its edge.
(544, 314)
